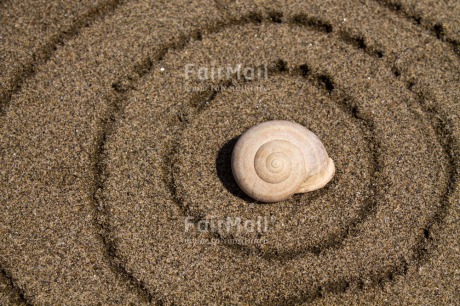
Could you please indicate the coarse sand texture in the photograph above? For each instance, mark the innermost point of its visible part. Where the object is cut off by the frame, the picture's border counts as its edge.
(118, 120)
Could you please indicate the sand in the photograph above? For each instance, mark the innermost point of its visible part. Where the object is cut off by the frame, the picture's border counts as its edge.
(110, 157)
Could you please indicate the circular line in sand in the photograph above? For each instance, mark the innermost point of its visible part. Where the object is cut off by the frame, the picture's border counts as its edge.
(331, 240)
(403, 262)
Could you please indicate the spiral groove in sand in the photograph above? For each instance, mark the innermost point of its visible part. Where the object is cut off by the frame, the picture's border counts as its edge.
(156, 158)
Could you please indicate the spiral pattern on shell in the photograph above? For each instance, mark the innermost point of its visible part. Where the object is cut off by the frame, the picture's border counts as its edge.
(275, 159)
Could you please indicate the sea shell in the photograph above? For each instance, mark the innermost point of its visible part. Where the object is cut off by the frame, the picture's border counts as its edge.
(276, 159)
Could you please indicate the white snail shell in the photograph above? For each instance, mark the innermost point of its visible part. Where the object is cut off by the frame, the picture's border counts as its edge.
(276, 159)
